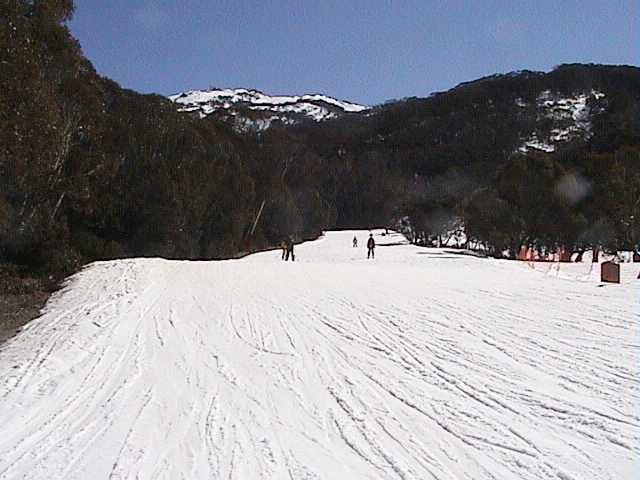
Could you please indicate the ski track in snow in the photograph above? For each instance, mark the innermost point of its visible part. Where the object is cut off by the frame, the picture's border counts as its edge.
(419, 364)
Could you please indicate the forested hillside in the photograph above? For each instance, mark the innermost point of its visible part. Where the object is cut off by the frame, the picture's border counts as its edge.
(89, 170)
(546, 159)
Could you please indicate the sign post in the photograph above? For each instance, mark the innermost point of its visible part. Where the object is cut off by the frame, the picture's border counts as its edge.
(610, 272)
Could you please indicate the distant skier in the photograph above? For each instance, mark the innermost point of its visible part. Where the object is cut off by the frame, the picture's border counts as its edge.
(371, 245)
(283, 246)
(290, 250)
(355, 242)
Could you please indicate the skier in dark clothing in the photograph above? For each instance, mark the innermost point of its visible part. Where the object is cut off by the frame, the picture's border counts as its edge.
(290, 250)
(371, 245)
(355, 242)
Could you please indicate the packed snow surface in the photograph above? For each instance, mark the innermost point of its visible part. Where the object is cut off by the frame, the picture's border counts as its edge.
(422, 363)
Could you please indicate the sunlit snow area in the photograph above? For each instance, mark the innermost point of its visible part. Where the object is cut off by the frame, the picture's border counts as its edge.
(314, 106)
(422, 363)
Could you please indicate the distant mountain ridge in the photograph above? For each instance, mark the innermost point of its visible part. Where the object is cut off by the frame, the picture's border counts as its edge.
(249, 109)
(550, 116)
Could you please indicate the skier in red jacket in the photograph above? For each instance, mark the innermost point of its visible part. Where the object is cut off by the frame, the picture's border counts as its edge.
(371, 245)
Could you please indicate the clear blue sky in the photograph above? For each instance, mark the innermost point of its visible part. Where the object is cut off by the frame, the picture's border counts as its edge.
(368, 51)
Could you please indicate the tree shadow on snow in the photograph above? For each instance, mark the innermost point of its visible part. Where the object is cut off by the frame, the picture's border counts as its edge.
(453, 254)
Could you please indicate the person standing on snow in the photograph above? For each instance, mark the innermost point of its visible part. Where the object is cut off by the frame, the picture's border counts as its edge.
(355, 242)
(371, 245)
(290, 250)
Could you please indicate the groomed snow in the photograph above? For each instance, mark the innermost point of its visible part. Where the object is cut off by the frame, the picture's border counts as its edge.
(422, 363)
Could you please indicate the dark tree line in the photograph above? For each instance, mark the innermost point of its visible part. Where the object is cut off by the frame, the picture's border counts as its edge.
(545, 202)
(90, 170)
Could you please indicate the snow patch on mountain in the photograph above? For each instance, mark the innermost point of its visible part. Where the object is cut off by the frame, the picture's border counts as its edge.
(570, 117)
(534, 143)
(238, 103)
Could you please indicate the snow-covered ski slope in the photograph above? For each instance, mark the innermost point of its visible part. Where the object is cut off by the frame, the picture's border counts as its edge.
(419, 364)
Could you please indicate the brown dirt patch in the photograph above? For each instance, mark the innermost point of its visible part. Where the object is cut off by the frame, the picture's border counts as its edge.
(21, 299)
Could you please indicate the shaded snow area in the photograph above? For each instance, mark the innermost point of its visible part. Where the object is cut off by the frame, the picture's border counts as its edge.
(570, 117)
(422, 363)
(315, 107)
